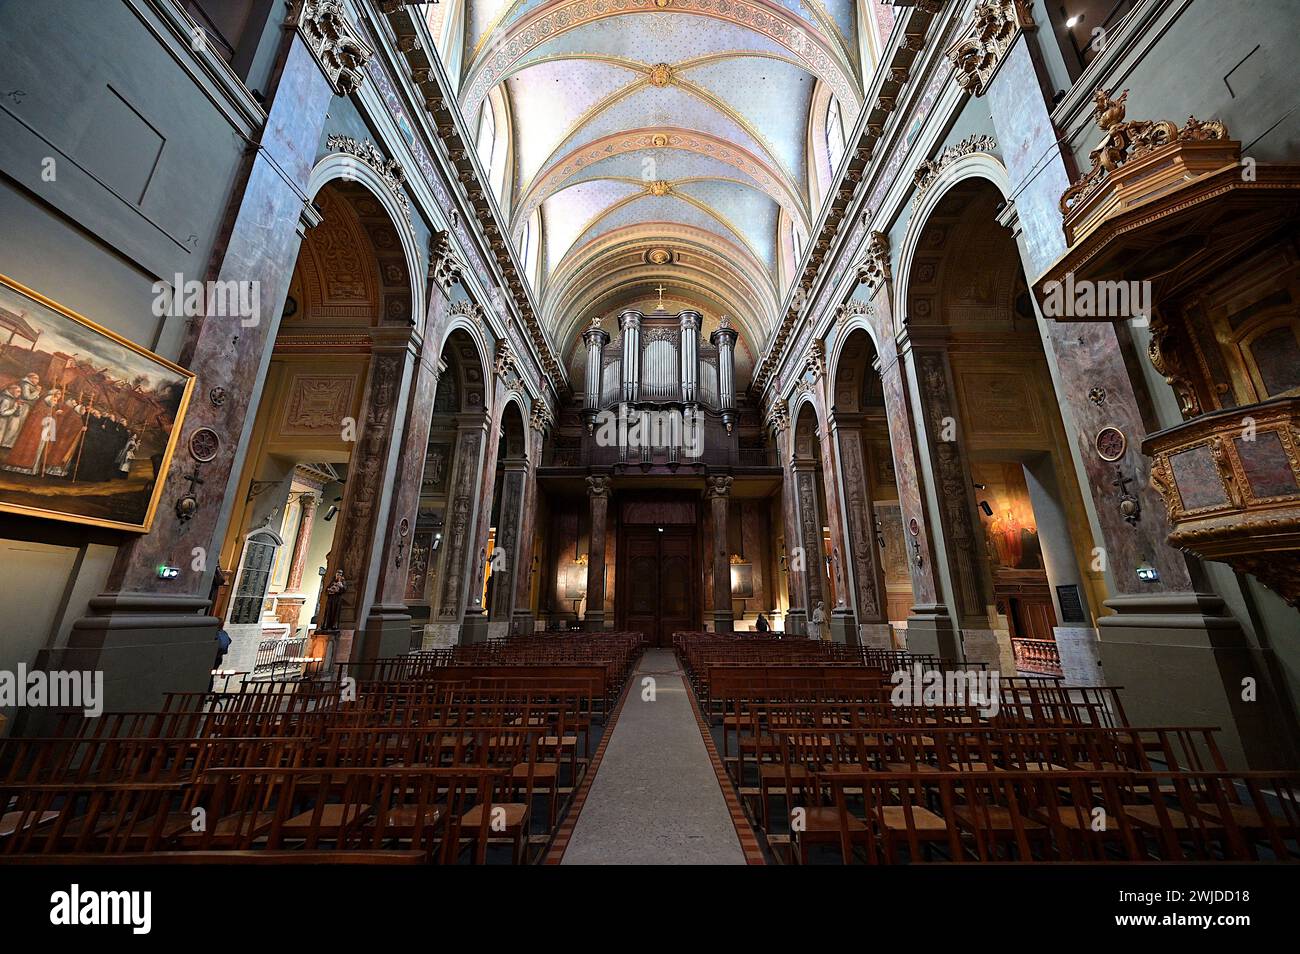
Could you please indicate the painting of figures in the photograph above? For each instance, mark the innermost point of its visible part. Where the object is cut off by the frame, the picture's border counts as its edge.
(88, 420)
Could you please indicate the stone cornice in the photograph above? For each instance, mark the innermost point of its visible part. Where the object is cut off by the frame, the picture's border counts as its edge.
(904, 74)
(490, 257)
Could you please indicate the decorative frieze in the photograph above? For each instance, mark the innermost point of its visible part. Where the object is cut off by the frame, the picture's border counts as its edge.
(1126, 140)
(929, 170)
(852, 309)
(540, 418)
(334, 42)
(816, 360)
(445, 266)
(875, 268)
(504, 362)
(987, 38)
(779, 416)
(390, 170)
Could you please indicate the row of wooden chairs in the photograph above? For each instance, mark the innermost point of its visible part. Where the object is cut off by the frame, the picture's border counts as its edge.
(427, 768)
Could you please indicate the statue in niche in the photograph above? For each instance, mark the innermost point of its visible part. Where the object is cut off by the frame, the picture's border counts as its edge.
(334, 603)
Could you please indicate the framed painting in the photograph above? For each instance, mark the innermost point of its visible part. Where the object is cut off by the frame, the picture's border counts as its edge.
(88, 420)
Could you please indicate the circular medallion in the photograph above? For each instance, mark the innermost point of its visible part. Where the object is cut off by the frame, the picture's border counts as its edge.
(404, 527)
(217, 396)
(203, 444)
(913, 527)
(1097, 396)
(660, 256)
(659, 139)
(1110, 443)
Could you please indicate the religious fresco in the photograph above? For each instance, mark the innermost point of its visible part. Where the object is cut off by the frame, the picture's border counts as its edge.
(88, 420)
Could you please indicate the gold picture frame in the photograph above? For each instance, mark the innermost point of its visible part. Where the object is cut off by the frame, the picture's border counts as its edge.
(110, 416)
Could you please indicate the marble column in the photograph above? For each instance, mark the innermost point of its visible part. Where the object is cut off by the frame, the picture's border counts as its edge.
(388, 621)
(598, 490)
(861, 558)
(148, 634)
(522, 617)
(930, 627)
(842, 613)
(462, 514)
(809, 539)
(506, 554)
(288, 606)
(368, 500)
(796, 617)
(952, 496)
(476, 615)
(718, 492)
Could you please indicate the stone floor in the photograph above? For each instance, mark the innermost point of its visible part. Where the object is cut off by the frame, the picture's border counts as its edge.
(655, 798)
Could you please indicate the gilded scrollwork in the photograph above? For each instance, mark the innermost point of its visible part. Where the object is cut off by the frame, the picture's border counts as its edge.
(1126, 140)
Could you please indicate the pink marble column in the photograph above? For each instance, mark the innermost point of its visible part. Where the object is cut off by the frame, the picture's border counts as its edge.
(718, 492)
(598, 491)
(388, 621)
(523, 610)
(929, 626)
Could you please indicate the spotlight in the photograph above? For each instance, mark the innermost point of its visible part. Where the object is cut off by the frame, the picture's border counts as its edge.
(1073, 21)
(984, 506)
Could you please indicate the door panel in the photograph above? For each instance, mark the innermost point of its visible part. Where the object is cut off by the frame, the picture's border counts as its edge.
(656, 582)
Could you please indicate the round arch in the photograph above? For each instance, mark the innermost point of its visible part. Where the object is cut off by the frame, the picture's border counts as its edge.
(339, 166)
(514, 411)
(805, 400)
(460, 319)
(977, 165)
(860, 321)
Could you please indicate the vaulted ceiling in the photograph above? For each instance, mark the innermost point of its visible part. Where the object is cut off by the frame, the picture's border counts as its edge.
(661, 141)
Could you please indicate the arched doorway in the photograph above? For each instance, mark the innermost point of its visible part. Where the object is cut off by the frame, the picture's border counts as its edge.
(506, 522)
(812, 559)
(442, 547)
(878, 552)
(330, 410)
(1014, 531)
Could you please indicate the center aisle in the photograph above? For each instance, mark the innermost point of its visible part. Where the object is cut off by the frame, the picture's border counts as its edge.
(655, 798)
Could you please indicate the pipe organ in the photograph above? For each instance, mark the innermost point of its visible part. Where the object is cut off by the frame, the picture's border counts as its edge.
(659, 359)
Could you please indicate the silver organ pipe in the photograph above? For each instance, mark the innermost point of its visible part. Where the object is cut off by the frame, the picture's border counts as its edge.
(630, 322)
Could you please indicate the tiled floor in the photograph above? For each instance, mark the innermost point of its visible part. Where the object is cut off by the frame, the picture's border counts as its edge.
(656, 797)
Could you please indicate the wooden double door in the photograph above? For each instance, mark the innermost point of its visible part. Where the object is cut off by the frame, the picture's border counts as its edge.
(657, 592)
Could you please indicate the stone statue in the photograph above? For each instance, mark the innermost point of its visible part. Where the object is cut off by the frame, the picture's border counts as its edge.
(818, 619)
(334, 603)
